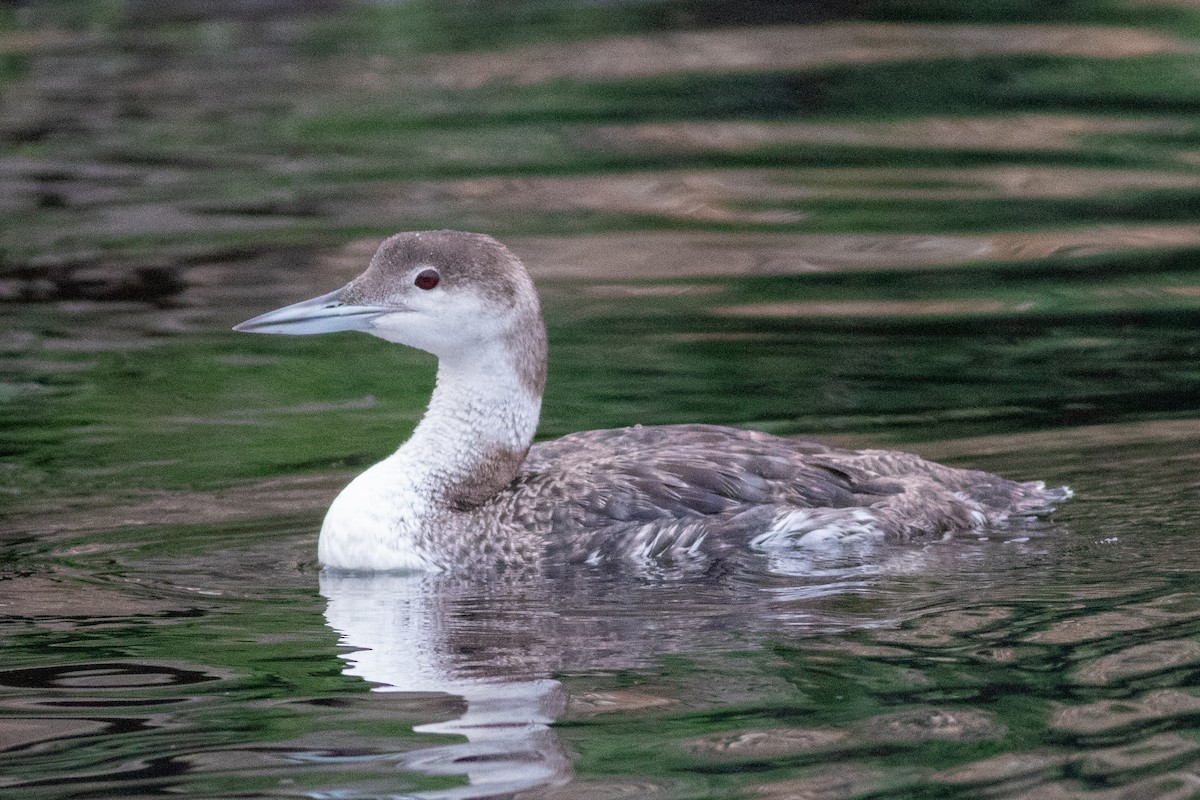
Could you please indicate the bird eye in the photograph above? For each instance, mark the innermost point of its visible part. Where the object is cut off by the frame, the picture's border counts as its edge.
(427, 279)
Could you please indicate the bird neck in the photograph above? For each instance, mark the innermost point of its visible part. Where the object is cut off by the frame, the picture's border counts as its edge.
(481, 419)
(473, 437)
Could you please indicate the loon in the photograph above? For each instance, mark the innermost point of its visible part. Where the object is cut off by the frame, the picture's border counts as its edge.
(469, 490)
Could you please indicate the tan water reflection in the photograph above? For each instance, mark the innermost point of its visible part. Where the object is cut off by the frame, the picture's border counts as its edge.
(1142, 659)
(1134, 617)
(876, 308)
(1024, 132)
(747, 195)
(791, 47)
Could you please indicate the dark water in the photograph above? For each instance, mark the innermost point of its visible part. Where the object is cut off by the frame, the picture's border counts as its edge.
(963, 229)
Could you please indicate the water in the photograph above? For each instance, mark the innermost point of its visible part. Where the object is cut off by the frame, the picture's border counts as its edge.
(875, 224)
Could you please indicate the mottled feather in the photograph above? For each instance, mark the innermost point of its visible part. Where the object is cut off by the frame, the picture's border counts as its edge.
(684, 491)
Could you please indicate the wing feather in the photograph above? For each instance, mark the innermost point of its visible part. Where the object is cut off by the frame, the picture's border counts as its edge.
(685, 491)
(678, 473)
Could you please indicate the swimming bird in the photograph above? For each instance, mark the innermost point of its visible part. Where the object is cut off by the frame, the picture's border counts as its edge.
(469, 490)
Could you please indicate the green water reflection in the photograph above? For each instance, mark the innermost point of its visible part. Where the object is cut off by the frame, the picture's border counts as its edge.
(966, 229)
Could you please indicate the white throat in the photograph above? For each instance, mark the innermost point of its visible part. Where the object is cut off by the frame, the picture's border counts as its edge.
(474, 411)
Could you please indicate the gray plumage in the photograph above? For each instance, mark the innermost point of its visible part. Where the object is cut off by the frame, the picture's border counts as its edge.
(688, 491)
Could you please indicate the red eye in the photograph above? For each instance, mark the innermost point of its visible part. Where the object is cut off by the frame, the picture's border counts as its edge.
(427, 279)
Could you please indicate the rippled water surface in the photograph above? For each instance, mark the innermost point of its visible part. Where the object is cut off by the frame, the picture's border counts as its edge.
(964, 229)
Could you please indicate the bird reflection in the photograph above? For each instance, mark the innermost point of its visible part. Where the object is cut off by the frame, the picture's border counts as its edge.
(396, 624)
(497, 644)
